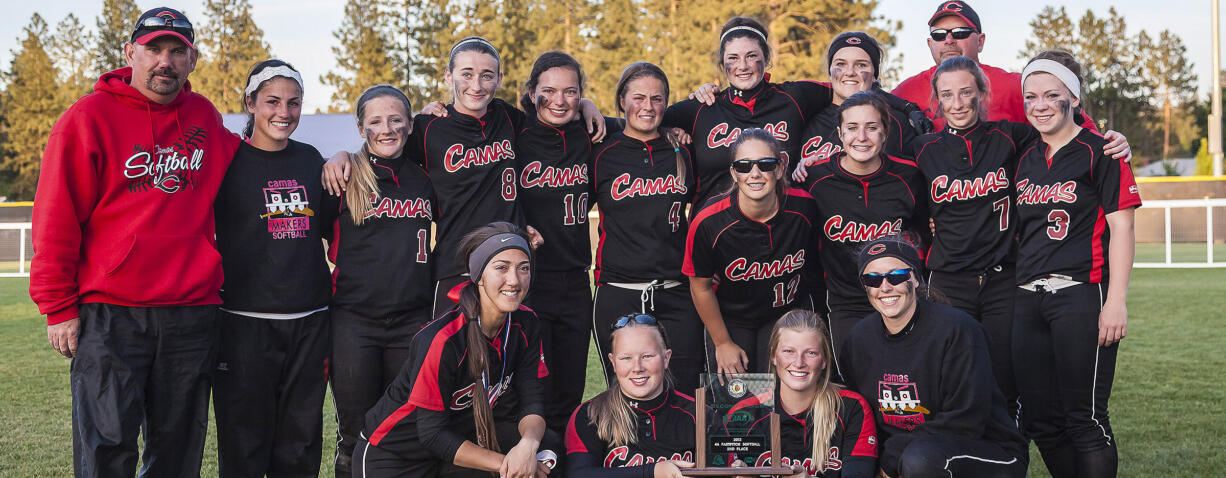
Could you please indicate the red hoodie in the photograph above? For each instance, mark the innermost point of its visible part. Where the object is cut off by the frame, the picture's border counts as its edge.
(123, 213)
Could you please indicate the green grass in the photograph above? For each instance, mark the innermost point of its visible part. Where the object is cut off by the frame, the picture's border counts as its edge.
(1180, 252)
(1167, 407)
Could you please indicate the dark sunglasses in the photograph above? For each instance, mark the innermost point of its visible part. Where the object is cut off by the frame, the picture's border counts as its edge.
(158, 23)
(642, 319)
(766, 165)
(896, 277)
(960, 33)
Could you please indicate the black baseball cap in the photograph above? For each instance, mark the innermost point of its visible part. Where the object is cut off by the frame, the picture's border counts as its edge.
(163, 21)
(959, 8)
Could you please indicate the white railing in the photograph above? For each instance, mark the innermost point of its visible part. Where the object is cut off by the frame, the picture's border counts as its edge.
(1166, 205)
(23, 230)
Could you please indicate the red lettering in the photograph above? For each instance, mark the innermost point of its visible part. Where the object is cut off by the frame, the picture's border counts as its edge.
(620, 457)
(946, 190)
(743, 270)
(1065, 192)
(625, 187)
(816, 150)
(839, 230)
(399, 208)
(537, 175)
(721, 136)
(457, 157)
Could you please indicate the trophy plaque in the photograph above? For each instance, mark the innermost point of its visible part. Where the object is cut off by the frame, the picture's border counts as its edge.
(739, 423)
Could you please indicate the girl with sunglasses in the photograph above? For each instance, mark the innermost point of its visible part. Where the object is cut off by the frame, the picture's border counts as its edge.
(1075, 210)
(827, 430)
(756, 242)
(268, 388)
(641, 426)
(473, 389)
(862, 194)
(926, 365)
(643, 183)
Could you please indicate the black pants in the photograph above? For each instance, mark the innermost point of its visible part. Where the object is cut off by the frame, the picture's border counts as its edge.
(442, 303)
(374, 462)
(563, 300)
(988, 297)
(1067, 379)
(954, 456)
(141, 369)
(367, 354)
(673, 308)
(840, 319)
(268, 393)
(754, 339)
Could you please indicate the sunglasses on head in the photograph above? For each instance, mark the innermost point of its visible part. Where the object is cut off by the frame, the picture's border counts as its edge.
(960, 33)
(642, 319)
(896, 277)
(766, 165)
(158, 23)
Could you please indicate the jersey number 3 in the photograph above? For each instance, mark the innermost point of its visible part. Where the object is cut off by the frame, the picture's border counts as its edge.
(1059, 224)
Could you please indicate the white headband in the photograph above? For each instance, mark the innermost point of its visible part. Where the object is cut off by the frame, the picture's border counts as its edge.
(742, 27)
(267, 74)
(476, 40)
(1061, 72)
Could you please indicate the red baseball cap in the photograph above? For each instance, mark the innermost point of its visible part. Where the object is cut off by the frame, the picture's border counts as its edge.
(959, 8)
(163, 21)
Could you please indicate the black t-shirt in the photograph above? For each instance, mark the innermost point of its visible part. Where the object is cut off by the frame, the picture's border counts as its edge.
(270, 216)
(780, 108)
(933, 378)
(853, 442)
(664, 430)
(1063, 206)
(555, 191)
(760, 268)
(642, 209)
(854, 210)
(383, 266)
(968, 174)
(471, 162)
(429, 404)
(820, 139)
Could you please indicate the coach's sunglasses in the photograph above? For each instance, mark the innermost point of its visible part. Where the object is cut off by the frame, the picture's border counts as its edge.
(642, 319)
(896, 277)
(960, 33)
(766, 165)
(159, 23)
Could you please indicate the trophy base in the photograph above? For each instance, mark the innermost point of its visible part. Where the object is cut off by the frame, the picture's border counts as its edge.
(739, 471)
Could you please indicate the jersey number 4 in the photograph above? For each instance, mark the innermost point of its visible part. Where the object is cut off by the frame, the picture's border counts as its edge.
(674, 216)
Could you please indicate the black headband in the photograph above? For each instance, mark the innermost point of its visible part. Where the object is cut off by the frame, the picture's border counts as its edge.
(859, 40)
(891, 247)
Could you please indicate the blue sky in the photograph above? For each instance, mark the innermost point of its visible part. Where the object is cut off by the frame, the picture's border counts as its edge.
(300, 31)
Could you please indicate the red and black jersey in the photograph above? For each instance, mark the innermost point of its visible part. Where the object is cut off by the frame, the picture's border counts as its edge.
(471, 162)
(970, 193)
(820, 139)
(642, 209)
(853, 442)
(758, 267)
(664, 430)
(429, 404)
(383, 266)
(554, 187)
(780, 108)
(1062, 206)
(854, 210)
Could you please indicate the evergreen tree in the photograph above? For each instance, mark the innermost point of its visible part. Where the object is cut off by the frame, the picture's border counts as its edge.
(230, 43)
(423, 32)
(70, 50)
(30, 107)
(364, 57)
(616, 42)
(685, 42)
(1167, 68)
(1050, 29)
(115, 26)
(505, 23)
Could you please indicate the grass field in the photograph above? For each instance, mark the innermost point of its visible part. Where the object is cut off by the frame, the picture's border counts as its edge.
(1167, 412)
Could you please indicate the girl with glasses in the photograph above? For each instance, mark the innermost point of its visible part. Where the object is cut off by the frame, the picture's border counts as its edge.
(470, 401)
(641, 426)
(756, 242)
(925, 368)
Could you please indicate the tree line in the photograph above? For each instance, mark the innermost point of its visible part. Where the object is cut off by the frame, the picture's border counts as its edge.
(1138, 84)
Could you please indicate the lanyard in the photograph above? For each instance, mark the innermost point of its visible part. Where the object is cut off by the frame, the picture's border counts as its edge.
(506, 348)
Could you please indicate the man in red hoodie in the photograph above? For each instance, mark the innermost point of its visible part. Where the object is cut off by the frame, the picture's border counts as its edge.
(125, 265)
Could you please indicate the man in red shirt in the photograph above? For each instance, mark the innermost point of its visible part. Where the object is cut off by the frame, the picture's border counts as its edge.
(955, 30)
(126, 266)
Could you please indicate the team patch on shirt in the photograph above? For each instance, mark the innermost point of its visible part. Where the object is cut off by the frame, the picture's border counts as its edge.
(288, 209)
(167, 168)
(899, 403)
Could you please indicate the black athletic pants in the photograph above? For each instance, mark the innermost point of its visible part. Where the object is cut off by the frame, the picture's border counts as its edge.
(1067, 379)
(141, 369)
(673, 308)
(563, 302)
(988, 297)
(374, 462)
(367, 354)
(840, 319)
(954, 456)
(268, 393)
(754, 339)
(442, 303)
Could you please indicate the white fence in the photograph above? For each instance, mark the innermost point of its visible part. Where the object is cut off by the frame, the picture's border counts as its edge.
(1168, 204)
(24, 249)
